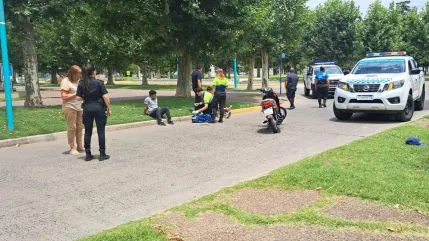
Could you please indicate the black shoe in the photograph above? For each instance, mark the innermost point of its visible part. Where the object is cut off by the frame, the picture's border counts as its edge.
(320, 105)
(104, 157)
(220, 121)
(265, 122)
(88, 156)
(324, 105)
(170, 122)
(161, 123)
(292, 107)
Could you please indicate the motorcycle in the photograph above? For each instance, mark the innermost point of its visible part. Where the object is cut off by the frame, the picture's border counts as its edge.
(274, 113)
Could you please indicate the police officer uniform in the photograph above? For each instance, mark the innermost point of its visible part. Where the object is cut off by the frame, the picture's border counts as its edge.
(94, 108)
(292, 82)
(322, 87)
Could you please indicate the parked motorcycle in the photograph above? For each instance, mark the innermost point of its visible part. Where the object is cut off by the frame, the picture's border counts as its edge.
(272, 110)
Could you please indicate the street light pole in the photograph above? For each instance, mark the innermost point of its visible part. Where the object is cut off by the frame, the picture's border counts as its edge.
(235, 72)
(6, 70)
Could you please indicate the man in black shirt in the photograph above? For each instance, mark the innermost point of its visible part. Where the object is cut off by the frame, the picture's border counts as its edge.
(291, 86)
(197, 78)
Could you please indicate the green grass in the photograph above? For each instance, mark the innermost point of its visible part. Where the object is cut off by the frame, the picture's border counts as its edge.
(143, 87)
(35, 121)
(380, 168)
(141, 231)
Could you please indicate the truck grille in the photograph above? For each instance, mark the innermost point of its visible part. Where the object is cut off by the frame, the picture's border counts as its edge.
(333, 84)
(366, 87)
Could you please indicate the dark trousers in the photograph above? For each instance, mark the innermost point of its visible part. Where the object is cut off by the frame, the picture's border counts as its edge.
(159, 113)
(219, 104)
(322, 94)
(198, 99)
(290, 93)
(99, 115)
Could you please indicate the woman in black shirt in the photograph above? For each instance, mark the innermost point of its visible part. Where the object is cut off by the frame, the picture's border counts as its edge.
(96, 105)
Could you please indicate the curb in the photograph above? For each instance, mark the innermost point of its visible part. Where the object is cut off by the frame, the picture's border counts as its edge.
(63, 134)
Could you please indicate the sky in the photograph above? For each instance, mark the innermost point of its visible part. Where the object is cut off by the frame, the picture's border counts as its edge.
(364, 4)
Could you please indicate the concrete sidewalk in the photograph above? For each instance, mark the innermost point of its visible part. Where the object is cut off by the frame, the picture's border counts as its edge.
(47, 195)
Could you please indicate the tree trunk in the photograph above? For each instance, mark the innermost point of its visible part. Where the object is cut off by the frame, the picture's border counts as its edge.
(110, 77)
(265, 68)
(139, 72)
(184, 78)
(54, 79)
(33, 98)
(145, 71)
(251, 75)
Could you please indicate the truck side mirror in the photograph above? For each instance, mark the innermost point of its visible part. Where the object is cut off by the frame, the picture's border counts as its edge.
(416, 71)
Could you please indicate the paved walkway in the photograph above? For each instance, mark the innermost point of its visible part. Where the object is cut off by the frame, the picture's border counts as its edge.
(47, 195)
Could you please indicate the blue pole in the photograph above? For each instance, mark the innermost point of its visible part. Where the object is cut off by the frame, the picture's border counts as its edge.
(281, 68)
(235, 73)
(6, 71)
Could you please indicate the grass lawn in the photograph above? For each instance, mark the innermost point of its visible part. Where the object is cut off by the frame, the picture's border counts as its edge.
(380, 168)
(35, 121)
(142, 87)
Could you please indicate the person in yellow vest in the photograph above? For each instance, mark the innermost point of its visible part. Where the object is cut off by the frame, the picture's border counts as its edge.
(207, 104)
(220, 84)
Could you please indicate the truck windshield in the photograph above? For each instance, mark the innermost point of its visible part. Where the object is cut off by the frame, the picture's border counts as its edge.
(330, 70)
(380, 66)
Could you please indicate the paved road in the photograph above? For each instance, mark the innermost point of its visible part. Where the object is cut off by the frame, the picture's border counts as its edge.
(47, 195)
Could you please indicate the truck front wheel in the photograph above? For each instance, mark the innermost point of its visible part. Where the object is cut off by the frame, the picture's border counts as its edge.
(408, 112)
(342, 115)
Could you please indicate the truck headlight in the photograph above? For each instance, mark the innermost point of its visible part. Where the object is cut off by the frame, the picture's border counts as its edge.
(394, 85)
(344, 86)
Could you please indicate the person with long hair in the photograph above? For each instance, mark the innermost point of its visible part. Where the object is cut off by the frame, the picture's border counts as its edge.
(220, 84)
(96, 106)
(72, 108)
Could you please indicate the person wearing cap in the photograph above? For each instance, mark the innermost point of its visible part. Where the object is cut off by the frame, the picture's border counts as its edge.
(152, 109)
(322, 86)
(291, 86)
(207, 104)
(220, 84)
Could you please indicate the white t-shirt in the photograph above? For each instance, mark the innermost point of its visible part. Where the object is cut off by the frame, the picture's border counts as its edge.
(71, 88)
(152, 104)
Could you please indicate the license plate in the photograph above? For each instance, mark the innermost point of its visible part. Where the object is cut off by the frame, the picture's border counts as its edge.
(268, 111)
(365, 97)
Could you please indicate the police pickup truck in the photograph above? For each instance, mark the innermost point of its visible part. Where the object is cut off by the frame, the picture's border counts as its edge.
(388, 82)
(334, 75)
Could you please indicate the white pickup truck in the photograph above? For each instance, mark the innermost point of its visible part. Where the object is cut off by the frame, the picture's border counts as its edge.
(334, 75)
(388, 82)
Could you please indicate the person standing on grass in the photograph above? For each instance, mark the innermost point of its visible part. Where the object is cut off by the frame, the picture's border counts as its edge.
(220, 84)
(152, 109)
(291, 86)
(322, 86)
(197, 83)
(96, 106)
(72, 108)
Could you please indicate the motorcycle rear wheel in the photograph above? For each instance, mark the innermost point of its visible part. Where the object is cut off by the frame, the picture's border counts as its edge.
(274, 126)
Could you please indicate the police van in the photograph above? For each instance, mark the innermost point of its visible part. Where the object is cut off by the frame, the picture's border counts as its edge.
(332, 69)
(388, 82)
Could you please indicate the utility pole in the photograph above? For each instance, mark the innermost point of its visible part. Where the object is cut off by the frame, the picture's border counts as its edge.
(6, 70)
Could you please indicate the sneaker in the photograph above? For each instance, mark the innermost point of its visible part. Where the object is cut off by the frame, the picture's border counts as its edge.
(74, 152)
(170, 122)
(161, 124)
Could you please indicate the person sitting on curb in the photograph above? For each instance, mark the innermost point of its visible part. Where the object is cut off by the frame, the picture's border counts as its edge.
(207, 104)
(151, 108)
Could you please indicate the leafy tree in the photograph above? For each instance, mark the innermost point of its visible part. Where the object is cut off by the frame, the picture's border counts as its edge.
(333, 33)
